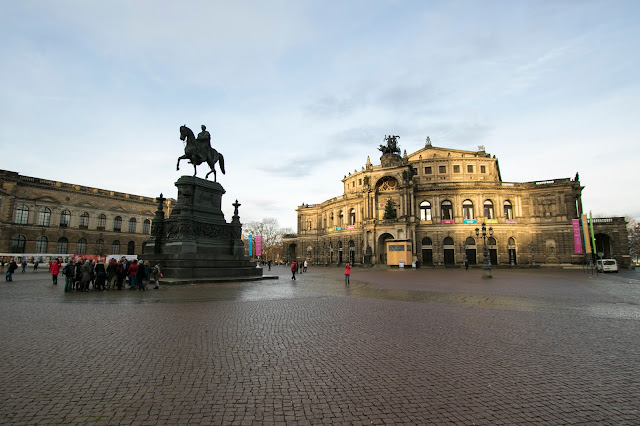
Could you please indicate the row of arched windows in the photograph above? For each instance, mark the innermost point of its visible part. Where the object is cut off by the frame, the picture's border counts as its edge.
(468, 211)
(339, 220)
(18, 244)
(470, 241)
(44, 219)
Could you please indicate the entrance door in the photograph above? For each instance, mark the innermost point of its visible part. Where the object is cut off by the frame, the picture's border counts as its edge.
(427, 256)
(472, 257)
(512, 257)
(449, 257)
(493, 256)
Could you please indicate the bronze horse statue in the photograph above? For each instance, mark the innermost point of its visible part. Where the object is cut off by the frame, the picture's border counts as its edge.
(191, 153)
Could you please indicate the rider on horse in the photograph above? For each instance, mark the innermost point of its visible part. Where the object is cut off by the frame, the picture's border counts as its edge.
(203, 144)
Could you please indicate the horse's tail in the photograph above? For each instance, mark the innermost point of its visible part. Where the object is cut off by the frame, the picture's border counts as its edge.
(221, 161)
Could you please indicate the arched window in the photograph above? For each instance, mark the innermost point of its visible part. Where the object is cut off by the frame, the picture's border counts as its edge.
(117, 223)
(115, 247)
(41, 244)
(81, 248)
(467, 210)
(132, 225)
(447, 210)
(100, 246)
(508, 211)
(331, 221)
(65, 219)
(488, 209)
(22, 216)
(425, 210)
(340, 219)
(146, 226)
(426, 241)
(18, 243)
(491, 241)
(448, 241)
(84, 220)
(511, 242)
(44, 218)
(131, 248)
(63, 246)
(352, 217)
(102, 221)
(470, 241)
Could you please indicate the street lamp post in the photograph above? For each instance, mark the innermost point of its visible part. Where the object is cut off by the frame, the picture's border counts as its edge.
(486, 263)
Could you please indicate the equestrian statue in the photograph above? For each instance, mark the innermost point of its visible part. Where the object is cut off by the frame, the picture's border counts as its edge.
(198, 150)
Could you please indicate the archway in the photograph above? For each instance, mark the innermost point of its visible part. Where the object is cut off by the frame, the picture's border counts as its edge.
(603, 245)
(427, 251)
(339, 252)
(471, 251)
(382, 247)
(449, 249)
(291, 253)
(352, 252)
(511, 247)
(492, 245)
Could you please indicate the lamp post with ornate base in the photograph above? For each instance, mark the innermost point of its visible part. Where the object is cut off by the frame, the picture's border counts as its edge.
(486, 263)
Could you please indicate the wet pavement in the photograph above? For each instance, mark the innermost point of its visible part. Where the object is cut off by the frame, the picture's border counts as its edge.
(395, 347)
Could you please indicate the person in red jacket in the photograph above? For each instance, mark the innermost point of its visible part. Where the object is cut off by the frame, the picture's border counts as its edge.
(132, 271)
(347, 273)
(54, 268)
(294, 269)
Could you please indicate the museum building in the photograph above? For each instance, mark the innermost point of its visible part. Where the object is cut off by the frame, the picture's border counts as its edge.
(40, 216)
(432, 206)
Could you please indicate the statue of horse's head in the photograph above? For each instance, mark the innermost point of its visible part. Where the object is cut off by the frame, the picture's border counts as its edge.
(186, 133)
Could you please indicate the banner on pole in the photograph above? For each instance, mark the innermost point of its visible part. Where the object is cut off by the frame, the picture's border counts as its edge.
(577, 239)
(258, 245)
(585, 233)
(250, 248)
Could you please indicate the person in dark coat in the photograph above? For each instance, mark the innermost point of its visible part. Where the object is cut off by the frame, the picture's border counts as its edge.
(78, 277)
(101, 276)
(141, 275)
(112, 274)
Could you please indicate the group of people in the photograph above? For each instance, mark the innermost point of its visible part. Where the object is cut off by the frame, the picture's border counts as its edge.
(298, 267)
(302, 267)
(87, 274)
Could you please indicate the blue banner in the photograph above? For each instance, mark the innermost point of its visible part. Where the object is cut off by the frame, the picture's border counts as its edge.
(250, 248)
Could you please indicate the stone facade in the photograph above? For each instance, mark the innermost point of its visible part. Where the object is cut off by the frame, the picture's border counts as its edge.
(440, 196)
(40, 216)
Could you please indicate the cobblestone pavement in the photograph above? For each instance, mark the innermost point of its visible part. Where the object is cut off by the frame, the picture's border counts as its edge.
(395, 347)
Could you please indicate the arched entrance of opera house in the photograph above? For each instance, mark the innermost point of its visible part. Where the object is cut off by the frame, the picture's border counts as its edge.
(291, 253)
(449, 251)
(339, 252)
(492, 245)
(471, 251)
(352, 252)
(427, 251)
(382, 247)
(603, 245)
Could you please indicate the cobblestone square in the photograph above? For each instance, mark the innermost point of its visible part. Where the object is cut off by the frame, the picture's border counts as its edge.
(395, 347)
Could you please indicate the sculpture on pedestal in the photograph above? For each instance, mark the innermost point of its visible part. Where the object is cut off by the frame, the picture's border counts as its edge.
(198, 150)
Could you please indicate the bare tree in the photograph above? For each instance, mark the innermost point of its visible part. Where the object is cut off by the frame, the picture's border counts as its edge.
(270, 231)
(633, 228)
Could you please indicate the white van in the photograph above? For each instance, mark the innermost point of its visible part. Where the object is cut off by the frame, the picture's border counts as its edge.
(607, 265)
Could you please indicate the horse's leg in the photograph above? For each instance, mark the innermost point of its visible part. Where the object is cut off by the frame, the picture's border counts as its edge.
(184, 157)
(194, 169)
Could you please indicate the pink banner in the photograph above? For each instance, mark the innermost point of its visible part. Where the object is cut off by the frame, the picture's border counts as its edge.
(577, 241)
(258, 239)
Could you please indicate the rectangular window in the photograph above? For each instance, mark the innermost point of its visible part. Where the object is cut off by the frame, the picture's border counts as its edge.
(469, 169)
(442, 169)
(483, 169)
(359, 181)
(456, 169)
(427, 170)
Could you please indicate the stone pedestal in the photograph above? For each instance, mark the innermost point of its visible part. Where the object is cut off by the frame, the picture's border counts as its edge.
(196, 241)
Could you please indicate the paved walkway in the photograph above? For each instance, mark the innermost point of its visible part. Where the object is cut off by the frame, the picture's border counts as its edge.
(395, 347)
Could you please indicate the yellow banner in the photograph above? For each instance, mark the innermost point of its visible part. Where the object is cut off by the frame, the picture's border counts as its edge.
(585, 234)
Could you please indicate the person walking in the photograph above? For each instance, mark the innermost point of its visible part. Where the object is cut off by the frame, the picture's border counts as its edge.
(54, 268)
(157, 274)
(112, 274)
(24, 265)
(304, 266)
(141, 274)
(11, 269)
(294, 269)
(69, 274)
(347, 273)
(87, 272)
(132, 271)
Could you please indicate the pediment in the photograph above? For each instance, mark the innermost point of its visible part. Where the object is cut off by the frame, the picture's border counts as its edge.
(119, 209)
(147, 213)
(85, 204)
